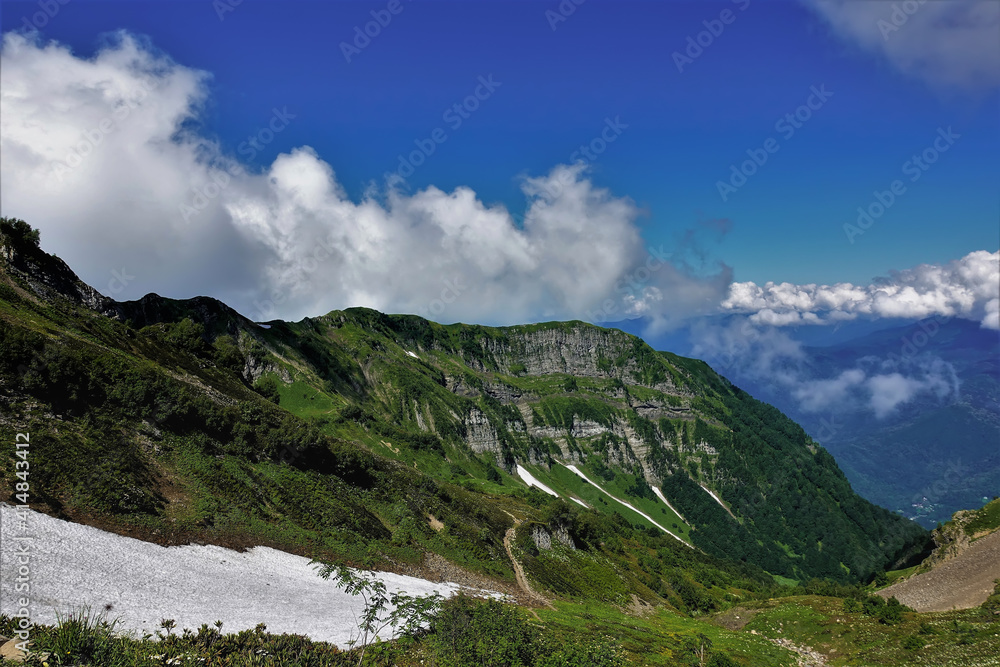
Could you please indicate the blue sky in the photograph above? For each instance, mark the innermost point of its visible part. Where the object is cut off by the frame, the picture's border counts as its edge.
(557, 87)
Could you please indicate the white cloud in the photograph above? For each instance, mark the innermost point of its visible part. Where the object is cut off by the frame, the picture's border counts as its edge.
(889, 391)
(819, 395)
(97, 156)
(761, 353)
(968, 288)
(951, 44)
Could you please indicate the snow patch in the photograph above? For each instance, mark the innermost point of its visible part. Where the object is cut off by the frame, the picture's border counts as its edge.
(717, 499)
(622, 502)
(530, 480)
(579, 502)
(667, 503)
(74, 566)
(263, 326)
(412, 355)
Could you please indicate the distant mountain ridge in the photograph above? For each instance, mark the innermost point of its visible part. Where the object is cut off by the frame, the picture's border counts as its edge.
(935, 452)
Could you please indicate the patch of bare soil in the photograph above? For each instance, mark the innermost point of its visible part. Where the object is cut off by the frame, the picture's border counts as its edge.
(528, 595)
(961, 582)
(522, 580)
(438, 568)
(804, 656)
(638, 607)
(735, 618)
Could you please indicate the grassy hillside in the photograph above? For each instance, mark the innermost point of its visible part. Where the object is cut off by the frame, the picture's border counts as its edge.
(190, 398)
(170, 431)
(383, 440)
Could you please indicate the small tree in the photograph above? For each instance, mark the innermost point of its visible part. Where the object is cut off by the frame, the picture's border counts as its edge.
(21, 234)
(401, 613)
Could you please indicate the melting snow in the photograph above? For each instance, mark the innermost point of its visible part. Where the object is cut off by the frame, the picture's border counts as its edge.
(72, 565)
(667, 502)
(717, 499)
(412, 355)
(579, 502)
(530, 480)
(264, 326)
(622, 502)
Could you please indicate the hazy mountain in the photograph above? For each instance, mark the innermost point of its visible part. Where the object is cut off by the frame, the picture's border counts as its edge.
(911, 410)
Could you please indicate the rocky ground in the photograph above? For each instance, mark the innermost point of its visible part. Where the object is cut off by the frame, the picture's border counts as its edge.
(962, 581)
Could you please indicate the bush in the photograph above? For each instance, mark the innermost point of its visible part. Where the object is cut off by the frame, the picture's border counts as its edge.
(20, 233)
(268, 388)
(574, 654)
(891, 613)
(487, 633)
(228, 355)
(722, 660)
(493, 475)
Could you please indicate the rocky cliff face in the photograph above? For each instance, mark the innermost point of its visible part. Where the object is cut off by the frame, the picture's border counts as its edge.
(49, 277)
(524, 368)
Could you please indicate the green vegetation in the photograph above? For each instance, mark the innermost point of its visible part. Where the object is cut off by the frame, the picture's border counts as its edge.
(329, 438)
(984, 520)
(966, 638)
(89, 638)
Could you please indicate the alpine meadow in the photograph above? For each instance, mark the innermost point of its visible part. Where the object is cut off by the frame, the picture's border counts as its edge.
(514, 333)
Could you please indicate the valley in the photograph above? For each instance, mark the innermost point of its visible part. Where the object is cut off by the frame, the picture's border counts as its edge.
(566, 467)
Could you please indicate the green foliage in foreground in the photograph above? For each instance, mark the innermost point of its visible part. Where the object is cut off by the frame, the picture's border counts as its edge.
(463, 632)
(966, 638)
(89, 638)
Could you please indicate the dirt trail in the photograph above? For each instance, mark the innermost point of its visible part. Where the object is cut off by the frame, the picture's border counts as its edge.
(522, 580)
(961, 582)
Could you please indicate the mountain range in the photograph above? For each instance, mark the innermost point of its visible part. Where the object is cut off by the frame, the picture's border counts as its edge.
(909, 409)
(567, 455)
(469, 406)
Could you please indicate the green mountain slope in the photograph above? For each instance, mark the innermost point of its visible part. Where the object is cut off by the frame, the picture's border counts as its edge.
(381, 438)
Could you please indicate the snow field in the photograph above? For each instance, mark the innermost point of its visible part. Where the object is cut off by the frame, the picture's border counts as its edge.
(72, 566)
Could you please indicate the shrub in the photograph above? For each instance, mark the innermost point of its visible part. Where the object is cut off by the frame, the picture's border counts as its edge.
(227, 354)
(268, 388)
(487, 633)
(21, 234)
(891, 613)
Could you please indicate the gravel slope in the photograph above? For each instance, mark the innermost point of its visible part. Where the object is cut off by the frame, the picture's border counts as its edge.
(961, 582)
(72, 565)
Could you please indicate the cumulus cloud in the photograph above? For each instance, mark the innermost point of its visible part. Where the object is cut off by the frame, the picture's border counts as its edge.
(819, 395)
(100, 155)
(746, 350)
(952, 45)
(968, 288)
